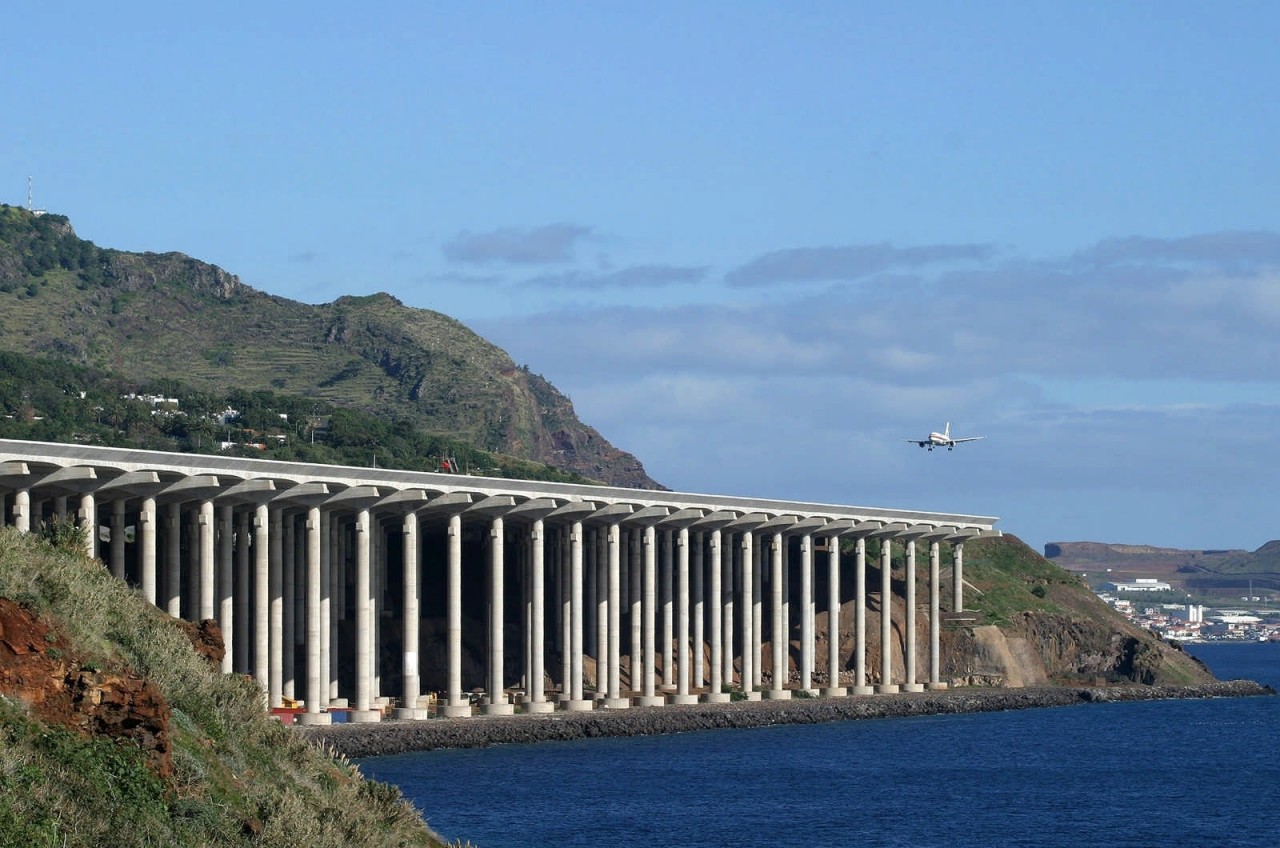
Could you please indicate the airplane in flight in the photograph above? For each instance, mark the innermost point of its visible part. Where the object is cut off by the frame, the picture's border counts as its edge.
(936, 439)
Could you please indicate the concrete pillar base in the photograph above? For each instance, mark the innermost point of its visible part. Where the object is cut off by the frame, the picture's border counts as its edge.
(651, 701)
(887, 688)
(753, 696)
(340, 703)
(456, 710)
(717, 698)
(539, 707)
(315, 718)
(682, 699)
(778, 694)
(382, 701)
(499, 709)
(861, 690)
(913, 687)
(835, 692)
(410, 714)
(583, 706)
(935, 687)
(366, 716)
(616, 703)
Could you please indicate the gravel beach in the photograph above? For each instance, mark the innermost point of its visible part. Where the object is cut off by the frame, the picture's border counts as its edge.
(394, 737)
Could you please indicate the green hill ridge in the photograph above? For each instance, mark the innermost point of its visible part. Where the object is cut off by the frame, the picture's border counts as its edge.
(146, 317)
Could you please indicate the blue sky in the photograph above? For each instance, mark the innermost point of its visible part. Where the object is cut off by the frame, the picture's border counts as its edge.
(758, 246)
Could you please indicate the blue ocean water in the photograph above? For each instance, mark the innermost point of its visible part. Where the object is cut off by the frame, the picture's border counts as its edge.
(1196, 772)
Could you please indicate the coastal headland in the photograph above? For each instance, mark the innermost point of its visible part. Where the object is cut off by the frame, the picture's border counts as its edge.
(396, 737)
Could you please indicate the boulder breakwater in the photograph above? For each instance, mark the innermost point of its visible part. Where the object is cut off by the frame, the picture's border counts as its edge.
(394, 737)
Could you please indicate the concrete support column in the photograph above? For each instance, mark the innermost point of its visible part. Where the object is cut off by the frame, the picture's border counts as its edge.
(909, 683)
(778, 637)
(748, 603)
(935, 621)
(576, 701)
(727, 584)
(591, 596)
(566, 619)
(205, 523)
(88, 517)
(860, 686)
(364, 710)
(834, 689)
(806, 614)
(275, 665)
(957, 576)
(117, 537)
(226, 590)
(649, 591)
(173, 560)
(288, 575)
(696, 566)
(315, 674)
(682, 695)
(22, 510)
(716, 600)
(411, 595)
(757, 609)
(602, 613)
(538, 702)
(636, 613)
(666, 569)
(240, 594)
(147, 548)
(328, 552)
(498, 704)
(614, 635)
(261, 599)
(886, 618)
(191, 600)
(455, 705)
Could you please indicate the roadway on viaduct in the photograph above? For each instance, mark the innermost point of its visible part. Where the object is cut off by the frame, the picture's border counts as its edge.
(333, 584)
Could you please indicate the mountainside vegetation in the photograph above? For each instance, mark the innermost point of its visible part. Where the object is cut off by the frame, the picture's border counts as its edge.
(142, 319)
(115, 731)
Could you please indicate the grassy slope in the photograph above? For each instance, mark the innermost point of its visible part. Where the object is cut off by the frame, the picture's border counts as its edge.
(240, 778)
(1021, 592)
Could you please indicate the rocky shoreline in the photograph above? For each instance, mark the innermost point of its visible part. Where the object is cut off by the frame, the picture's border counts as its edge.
(395, 737)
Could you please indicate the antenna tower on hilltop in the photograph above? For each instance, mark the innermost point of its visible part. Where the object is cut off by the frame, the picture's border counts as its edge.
(30, 205)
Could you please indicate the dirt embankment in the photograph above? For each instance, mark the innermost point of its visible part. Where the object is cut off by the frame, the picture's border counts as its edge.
(40, 669)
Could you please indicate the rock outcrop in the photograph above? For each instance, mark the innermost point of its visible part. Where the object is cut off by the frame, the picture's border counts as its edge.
(40, 669)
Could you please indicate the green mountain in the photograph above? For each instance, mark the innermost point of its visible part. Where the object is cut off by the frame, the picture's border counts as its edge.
(146, 318)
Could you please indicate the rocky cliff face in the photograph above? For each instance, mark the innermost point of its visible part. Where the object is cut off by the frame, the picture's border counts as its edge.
(1040, 648)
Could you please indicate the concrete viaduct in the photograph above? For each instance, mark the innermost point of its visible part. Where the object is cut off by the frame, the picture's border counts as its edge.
(326, 580)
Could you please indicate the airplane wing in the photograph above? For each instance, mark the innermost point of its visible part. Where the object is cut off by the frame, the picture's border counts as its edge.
(968, 439)
(923, 444)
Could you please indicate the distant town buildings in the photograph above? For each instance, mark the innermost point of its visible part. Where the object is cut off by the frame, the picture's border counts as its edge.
(1196, 623)
(1141, 584)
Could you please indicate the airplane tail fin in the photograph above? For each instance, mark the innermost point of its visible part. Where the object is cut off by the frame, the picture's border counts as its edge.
(946, 431)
